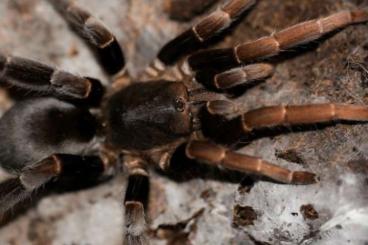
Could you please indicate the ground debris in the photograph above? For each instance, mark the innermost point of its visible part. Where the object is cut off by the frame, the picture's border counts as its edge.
(177, 234)
(309, 212)
(243, 216)
(290, 155)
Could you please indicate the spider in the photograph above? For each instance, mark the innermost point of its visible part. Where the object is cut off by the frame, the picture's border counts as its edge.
(142, 123)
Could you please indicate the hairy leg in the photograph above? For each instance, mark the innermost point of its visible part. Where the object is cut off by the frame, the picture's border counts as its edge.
(36, 77)
(204, 31)
(135, 203)
(292, 114)
(215, 154)
(237, 76)
(33, 177)
(221, 129)
(272, 45)
(94, 33)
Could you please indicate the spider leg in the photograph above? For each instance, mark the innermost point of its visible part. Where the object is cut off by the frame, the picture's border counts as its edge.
(272, 45)
(215, 154)
(272, 116)
(234, 77)
(136, 197)
(98, 37)
(299, 114)
(203, 31)
(37, 77)
(32, 177)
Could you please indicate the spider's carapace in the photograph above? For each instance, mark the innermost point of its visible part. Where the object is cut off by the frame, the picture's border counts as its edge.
(148, 115)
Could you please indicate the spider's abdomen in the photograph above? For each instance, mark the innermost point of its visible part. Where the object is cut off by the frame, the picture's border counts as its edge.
(147, 115)
(34, 129)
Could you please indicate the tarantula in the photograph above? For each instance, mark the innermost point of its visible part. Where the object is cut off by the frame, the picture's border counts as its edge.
(142, 122)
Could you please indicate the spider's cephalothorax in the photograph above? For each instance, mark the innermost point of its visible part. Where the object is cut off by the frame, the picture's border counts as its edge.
(43, 139)
(148, 115)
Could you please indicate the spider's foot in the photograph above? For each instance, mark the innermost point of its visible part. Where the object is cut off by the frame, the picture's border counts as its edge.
(304, 178)
(135, 224)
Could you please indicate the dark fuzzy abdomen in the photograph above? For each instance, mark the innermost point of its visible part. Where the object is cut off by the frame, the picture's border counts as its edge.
(34, 129)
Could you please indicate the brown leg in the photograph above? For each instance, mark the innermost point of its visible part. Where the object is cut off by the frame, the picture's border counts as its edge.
(302, 114)
(234, 77)
(218, 155)
(95, 34)
(268, 46)
(222, 107)
(32, 177)
(292, 114)
(34, 76)
(203, 31)
(135, 202)
(220, 129)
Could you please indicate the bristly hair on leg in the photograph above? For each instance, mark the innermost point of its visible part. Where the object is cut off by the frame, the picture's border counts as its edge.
(98, 37)
(135, 224)
(12, 192)
(204, 31)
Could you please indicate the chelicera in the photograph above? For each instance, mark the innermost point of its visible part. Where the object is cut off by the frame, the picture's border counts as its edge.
(143, 121)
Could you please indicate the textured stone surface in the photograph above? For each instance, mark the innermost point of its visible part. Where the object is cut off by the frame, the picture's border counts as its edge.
(331, 70)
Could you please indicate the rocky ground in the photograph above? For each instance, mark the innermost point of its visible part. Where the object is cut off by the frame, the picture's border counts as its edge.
(216, 207)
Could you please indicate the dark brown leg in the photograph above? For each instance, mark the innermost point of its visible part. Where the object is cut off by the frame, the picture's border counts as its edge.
(94, 33)
(34, 76)
(135, 202)
(36, 175)
(203, 31)
(268, 46)
(214, 154)
(180, 11)
(234, 77)
(222, 107)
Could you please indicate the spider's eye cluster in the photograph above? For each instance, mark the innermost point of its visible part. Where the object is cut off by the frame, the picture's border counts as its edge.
(179, 104)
